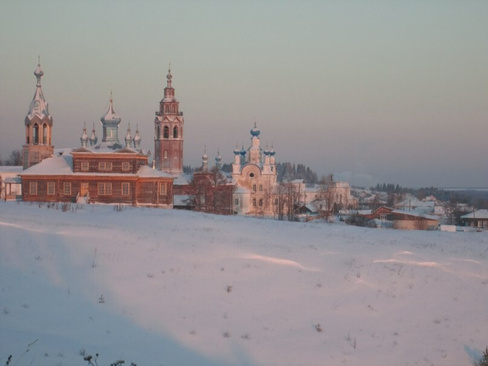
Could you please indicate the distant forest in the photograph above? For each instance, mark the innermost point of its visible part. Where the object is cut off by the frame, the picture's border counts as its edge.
(473, 197)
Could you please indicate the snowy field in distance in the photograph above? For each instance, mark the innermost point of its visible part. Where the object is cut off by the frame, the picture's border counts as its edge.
(184, 288)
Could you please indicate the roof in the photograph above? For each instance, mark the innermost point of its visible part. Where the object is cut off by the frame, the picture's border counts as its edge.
(480, 214)
(56, 165)
(146, 171)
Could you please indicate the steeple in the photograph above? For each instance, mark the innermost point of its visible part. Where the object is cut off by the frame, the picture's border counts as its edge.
(168, 127)
(38, 125)
(38, 107)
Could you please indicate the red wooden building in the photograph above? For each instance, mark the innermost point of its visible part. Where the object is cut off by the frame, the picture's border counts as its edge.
(98, 176)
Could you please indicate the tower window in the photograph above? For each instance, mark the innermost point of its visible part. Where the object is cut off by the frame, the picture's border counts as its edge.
(35, 134)
(175, 132)
(44, 134)
(166, 132)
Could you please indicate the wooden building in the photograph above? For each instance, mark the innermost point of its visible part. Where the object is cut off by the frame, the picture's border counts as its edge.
(98, 176)
(402, 219)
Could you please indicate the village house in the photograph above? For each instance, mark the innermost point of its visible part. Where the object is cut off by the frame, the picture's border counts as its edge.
(477, 219)
(390, 218)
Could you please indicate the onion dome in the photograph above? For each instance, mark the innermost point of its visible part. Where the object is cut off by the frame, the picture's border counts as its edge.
(84, 137)
(128, 138)
(255, 131)
(272, 152)
(137, 138)
(93, 137)
(110, 116)
(237, 151)
(243, 151)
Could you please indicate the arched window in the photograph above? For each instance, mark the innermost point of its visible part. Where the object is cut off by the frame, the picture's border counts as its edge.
(175, 132)
(44, 134)
(158, 131)
(165, 132)
(35, 134)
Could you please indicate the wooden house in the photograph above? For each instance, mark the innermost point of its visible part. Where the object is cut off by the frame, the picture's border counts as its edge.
(402, 219)
(98, 176)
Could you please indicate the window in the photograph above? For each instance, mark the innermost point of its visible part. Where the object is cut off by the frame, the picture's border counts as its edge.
(51, 188)
(162, 189)
(165, 154)
(165, 132)
(44, 134)
(85, 166)
(175, 132)
(236, 202)
(66, 188)
(105, 189)
(105, 166)
(254, 188)
(260, 188)
(260, 202)
(125, 166)
(254, 202)
(276, 202)
(125, 188)
(251, 175)
(33, 188)
(35, 134)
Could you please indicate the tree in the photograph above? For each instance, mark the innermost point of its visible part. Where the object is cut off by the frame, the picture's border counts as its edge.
(484, 359)
(15, 158)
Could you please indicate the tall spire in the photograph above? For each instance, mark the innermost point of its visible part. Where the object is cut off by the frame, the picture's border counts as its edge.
(38, 105)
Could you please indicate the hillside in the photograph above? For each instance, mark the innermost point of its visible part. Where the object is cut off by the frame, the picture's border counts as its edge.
(183, 288)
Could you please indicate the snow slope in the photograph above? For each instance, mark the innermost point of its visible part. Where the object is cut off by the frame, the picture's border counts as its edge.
(184, 288)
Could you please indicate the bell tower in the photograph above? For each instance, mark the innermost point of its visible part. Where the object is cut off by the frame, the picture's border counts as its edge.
(38, 127)
(168, 132)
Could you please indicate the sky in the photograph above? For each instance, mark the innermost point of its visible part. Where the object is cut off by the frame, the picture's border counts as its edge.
(372, 91)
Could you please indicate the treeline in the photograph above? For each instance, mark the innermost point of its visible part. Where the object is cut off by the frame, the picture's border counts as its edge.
(467, 197)
(289, 171)
(14, 159)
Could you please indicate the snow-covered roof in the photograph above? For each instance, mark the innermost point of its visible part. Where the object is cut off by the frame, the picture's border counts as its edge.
(480, 214)
(10, 169)
(146, 171)
(56, 165)
(182, 180)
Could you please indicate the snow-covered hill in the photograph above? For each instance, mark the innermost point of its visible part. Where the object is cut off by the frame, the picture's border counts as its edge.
(184, 288)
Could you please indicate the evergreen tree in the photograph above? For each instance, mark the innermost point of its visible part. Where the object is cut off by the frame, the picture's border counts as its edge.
(484, 359)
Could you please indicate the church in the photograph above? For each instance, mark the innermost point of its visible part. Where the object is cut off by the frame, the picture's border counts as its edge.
(112, 171)
(96, 172)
